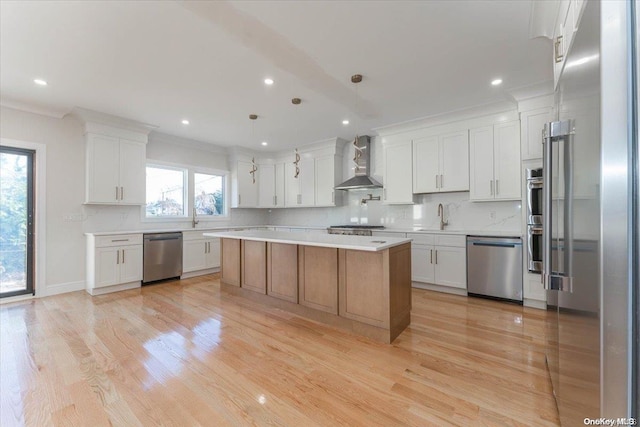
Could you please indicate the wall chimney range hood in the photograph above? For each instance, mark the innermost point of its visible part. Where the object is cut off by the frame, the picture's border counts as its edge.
(361, 160)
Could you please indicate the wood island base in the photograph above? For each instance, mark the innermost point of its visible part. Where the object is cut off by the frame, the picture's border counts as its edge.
(364, 292)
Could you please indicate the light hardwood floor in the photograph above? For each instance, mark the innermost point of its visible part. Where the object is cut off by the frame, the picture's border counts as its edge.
(185, 353)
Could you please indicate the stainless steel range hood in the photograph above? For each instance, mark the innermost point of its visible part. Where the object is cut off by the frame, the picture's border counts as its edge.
(361, 160)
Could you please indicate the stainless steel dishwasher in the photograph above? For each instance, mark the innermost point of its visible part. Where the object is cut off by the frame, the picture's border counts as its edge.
(162, 256)
(494, 267)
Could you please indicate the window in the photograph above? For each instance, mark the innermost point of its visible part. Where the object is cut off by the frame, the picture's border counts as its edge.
(208, 195)
(165, 191)
(175, 191)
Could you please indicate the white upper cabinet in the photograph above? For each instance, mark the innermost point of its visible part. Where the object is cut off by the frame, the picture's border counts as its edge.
(532, 125)
(307, 180)
(506, 150)
(325, 180)
(300, 183)
(247, 194)
(441, 163)
(115, 169)
(271, 185)
(266, 185)
(426, 165)
(398, 172)
(481, 163)
(279, 185)
(495, 162)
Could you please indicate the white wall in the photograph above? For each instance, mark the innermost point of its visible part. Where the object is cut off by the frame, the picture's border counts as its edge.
(65, 191)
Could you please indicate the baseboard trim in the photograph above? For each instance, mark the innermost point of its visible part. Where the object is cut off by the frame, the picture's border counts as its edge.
(16, 298)
(191, 274)
(114, 288)
(438, 288)
(60, 288)
(542, 305)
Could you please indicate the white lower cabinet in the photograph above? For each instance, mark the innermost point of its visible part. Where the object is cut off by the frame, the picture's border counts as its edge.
(114, 262)
(439, 259)
(199, 253)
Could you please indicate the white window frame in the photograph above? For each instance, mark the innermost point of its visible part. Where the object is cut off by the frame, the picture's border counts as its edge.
(225, 183)
(185, 185)
(189, 193)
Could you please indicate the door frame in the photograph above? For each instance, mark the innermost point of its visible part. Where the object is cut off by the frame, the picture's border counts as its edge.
(39, 225)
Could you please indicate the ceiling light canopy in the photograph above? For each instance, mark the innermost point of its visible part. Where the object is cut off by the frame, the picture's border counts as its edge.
(40, 82)
(496, 82)
(268, 81)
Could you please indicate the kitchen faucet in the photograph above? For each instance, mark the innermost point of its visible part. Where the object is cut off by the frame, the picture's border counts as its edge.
(194, 221)
(441, 215)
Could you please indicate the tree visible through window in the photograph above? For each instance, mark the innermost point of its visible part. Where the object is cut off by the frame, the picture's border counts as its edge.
(165, 191)
(208, 194)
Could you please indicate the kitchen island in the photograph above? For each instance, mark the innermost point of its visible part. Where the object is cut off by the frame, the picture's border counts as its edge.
(361, 284)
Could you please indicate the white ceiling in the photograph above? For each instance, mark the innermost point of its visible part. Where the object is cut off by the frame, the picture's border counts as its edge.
(161, 61)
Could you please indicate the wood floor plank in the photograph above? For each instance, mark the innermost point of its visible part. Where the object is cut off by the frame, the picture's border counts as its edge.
(188, 353)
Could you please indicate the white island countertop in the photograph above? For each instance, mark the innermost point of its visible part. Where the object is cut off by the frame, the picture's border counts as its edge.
(359, 243)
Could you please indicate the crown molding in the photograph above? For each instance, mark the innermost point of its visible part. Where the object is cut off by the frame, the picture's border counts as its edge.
(448, 117)
(29, 107)
(96, 117)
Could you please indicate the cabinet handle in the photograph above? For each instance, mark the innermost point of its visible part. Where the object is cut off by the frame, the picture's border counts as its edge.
(385, 193)
(239, 200)
(118, 257)
(123, 256)
(274, 200)
(121, 193)
(430, 256)
(333, 197)
(209, 246)
(437, 181)
(436, 256)
(491, 186)
(497, 187)
(557, 49)
(441, 181)
(117, 192)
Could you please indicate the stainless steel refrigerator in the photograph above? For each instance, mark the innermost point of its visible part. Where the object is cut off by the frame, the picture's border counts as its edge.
(590, 220)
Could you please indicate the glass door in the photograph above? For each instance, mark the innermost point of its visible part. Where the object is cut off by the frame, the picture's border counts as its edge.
(16, 221)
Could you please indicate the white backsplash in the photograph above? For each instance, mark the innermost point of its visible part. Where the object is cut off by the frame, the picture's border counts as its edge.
(461, 213)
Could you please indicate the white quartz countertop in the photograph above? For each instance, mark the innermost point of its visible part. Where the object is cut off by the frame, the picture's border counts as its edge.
(207, 229)
(359, 243)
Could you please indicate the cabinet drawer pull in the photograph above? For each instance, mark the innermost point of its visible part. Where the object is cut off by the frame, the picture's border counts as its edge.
(437, 181)
(121, 193)
(117, 192)
(497, 187)
(123, 256)
(118, 257)
(430, 256)
(491, 187)
(120, 240)
(441, 181)
(436, 256)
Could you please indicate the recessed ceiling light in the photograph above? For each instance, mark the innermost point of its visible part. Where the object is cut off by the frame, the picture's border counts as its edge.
(268, 81)
(496, 82)
(264, 143)
(345, 122)
(40, 82)
(185, 122)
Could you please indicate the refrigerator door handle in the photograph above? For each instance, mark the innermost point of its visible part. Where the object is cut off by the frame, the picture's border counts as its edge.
(556, 133)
